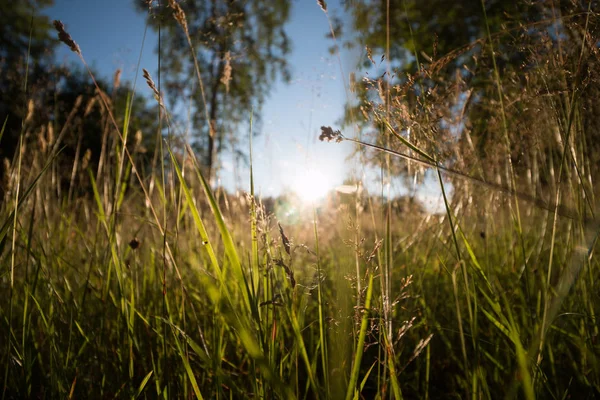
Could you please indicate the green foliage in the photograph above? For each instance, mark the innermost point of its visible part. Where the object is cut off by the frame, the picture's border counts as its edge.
(24, 29)
(91, 311)
(67, 112)
(145, 293)
(240, 48)
(441, 90)
(25, 52)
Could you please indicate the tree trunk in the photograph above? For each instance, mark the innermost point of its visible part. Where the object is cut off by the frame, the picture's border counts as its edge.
(211, 155)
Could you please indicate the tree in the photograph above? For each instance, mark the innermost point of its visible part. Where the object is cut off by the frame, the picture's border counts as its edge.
(442, 91)
(240, 48)
(54, 107)
(26, 48)
(19, 22)
(78, 107)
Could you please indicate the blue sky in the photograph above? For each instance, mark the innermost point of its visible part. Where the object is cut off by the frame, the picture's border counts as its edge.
(112, 35)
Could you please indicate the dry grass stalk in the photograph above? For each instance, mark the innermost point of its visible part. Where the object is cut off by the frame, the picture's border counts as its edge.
(138, 146)
(90, 105)
(117, 79)
(50, 133)
(6, 180)
(284, 240)
(64, 37)
(30, 110)
(152, 86)
(67, 124)
(106, 101)
(370, 54)
(352, 82)
(138, 138)
(288, 271)
(381, 90)
(87, 156)
(226, 78)
(43, 144)
(179, 15)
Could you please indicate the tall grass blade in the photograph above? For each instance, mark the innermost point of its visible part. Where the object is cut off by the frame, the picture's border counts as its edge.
(361, 341)
(3, 128)
(230, 249)
(143, 385)
(204, 239)
(22, 198)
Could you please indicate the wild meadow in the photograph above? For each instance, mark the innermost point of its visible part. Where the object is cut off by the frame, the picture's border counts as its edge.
(130, 274)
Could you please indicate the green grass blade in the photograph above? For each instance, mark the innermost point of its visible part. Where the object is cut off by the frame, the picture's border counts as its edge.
(207, 245)
(392, 368)
(366, 377)
(303, 353)
(3, 128)
(407, 143)
(22, 198)
(188, 368)
(361, 341)
(143, 385)
(230, 249)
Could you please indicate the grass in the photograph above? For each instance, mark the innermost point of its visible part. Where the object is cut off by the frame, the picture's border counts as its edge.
(174, 290)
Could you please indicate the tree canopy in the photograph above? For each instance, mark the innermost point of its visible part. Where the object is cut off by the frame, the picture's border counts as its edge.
(240, 48)
(443, 90)
(52, 106)
(24, 37)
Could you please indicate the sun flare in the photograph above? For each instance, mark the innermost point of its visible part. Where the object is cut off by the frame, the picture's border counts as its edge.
(311, 185)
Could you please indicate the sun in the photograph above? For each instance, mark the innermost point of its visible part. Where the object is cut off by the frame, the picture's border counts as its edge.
(311, 185)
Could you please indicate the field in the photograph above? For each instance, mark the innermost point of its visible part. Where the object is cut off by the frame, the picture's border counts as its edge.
(134, 282)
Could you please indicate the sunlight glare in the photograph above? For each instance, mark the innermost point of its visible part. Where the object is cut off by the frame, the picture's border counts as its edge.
(312, 185)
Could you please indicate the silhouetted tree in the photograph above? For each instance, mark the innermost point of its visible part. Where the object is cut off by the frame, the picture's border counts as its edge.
(90, 138)
(26, 48)
(59, 107)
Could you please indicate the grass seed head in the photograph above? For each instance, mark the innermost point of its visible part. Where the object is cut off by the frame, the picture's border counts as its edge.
(226, 78)
(285, 240)
(370, 55)
(64, 37)
(322, 4)
(152, 86)
(134, 244)
(87, 156)
(90, 105)
(50, 133)
(179, 15)
(329, 135)
(30, 111)
(117, 79)
(138, 138)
